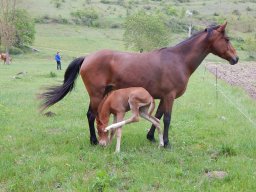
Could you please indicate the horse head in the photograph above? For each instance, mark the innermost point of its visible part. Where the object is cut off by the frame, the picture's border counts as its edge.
(221, 45)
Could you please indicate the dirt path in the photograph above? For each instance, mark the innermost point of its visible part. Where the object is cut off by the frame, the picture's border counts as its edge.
(242, 74)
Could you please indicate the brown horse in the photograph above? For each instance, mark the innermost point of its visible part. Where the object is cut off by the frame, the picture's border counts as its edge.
(3, 56)
(164, 73)
(118, 102)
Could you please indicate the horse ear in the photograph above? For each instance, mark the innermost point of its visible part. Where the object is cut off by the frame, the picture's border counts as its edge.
(222, 27)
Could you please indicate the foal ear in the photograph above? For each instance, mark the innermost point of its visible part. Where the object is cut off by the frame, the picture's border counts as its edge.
(222, 27)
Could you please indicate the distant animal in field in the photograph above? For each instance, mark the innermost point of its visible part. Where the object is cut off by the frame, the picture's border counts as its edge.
(164, 73)
(3, 56)
(118, 102)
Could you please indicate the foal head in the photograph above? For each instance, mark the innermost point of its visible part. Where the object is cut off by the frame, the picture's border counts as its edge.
(220, 44)
(103, 136)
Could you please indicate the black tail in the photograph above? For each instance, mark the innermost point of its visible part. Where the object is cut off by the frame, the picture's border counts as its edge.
(56, 93)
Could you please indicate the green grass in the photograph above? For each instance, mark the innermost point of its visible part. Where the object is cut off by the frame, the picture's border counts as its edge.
(74, 41)
(41, 153)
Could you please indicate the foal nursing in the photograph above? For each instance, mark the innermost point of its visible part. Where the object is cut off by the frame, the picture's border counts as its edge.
(118, 102)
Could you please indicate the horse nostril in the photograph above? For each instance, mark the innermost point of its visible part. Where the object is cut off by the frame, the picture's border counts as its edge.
(237, 59)
(234, 60)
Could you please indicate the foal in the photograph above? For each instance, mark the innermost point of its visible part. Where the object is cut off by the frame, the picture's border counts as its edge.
(118, 102)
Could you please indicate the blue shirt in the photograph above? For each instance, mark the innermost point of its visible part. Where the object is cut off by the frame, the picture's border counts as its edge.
(57, 57)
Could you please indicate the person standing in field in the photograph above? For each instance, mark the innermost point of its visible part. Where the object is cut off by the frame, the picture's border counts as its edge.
(58, 60)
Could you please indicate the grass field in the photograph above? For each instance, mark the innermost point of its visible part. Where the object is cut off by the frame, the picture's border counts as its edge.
(39, 153)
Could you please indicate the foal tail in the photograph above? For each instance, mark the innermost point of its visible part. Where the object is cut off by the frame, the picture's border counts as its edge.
(56, 93)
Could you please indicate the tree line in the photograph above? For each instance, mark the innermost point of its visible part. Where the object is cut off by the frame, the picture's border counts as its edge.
(17, 28)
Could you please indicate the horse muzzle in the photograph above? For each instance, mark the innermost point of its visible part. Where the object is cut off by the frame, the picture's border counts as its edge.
(234, 60)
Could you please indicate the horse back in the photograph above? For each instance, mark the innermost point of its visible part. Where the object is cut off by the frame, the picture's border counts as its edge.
(150, 70)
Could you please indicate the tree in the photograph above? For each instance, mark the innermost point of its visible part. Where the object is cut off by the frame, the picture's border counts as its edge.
(7, 29)
(145, 32)
(25, 28)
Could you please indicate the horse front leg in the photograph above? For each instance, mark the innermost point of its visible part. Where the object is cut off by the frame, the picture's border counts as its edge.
(158, 115)
(91, 119)
(167, 121)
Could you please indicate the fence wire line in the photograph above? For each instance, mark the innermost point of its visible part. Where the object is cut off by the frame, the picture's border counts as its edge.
(49, 48)
(218, 88)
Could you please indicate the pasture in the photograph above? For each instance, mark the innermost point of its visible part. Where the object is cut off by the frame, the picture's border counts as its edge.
(38, 153)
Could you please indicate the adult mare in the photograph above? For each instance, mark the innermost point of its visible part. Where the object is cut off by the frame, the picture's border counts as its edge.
(164, 73)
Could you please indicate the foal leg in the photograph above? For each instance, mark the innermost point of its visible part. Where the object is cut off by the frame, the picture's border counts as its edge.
(156, 124)
(118, 139)
(134, 118)
(150, 109)
(158, 115)
(119, 117)
(112, 131)
(91, 118)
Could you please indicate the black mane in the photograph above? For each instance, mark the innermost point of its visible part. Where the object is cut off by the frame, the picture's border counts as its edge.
(208, 30)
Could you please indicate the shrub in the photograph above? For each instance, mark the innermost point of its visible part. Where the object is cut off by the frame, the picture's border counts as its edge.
(195, 12)
(183, 1)
(115, 26)
(250, 47)
(248, 9)
(43, 19)
(47, 19)
(57, 3)
(170, 10)
(105, 1)
(215, 14)
(15, 51)
(236, 12)
(52, 74)
(86, 17)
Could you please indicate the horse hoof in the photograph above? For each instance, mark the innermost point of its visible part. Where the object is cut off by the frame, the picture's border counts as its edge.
(94, 141)
(151, 138)
(167, 146)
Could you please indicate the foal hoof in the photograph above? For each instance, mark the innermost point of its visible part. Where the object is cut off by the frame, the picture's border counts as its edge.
(151, 138)
(94, 141)
(103, 143)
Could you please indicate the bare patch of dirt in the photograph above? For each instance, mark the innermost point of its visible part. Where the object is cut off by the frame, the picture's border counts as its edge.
(216, 174)
(241, 74)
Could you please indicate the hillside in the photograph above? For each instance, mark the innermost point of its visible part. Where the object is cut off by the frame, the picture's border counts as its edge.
(240, 14)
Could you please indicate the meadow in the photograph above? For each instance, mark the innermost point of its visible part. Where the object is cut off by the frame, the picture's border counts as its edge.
(213, 127)
(39, 153)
